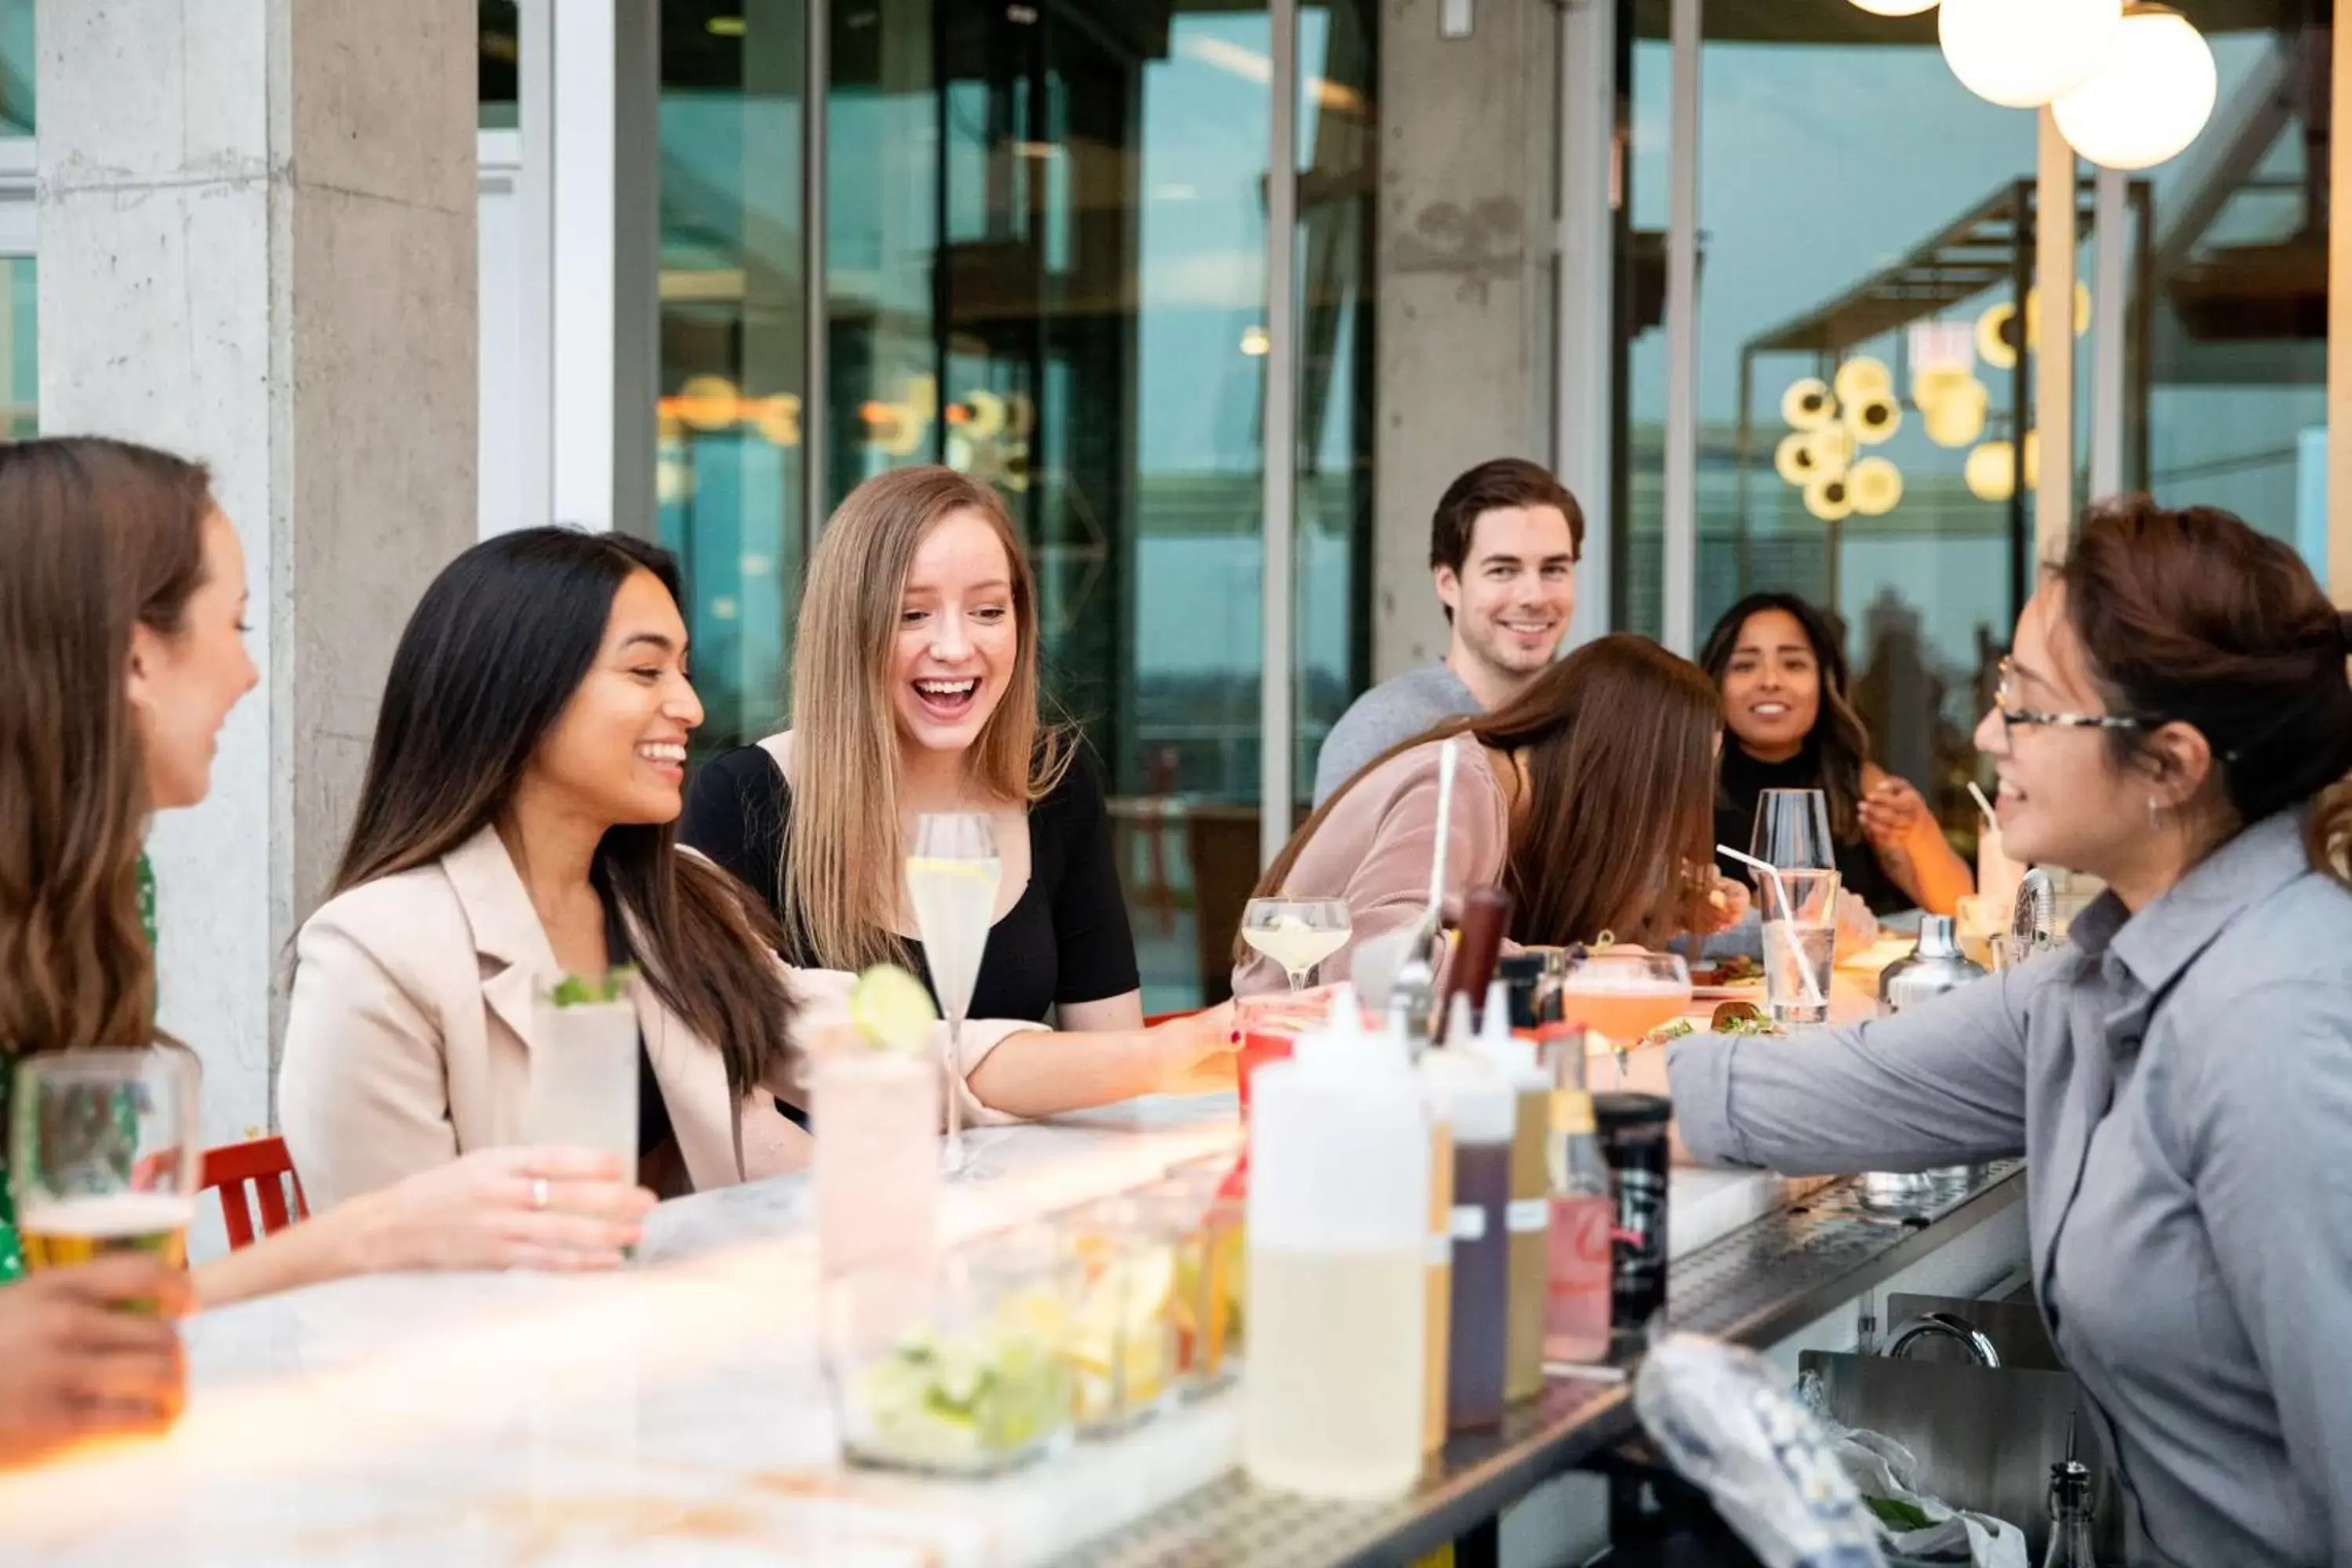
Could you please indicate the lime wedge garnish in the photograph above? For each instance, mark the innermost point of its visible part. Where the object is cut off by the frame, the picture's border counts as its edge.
(891, 1010)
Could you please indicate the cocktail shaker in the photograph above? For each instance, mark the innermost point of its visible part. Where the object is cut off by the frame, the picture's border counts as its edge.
(1933, 966)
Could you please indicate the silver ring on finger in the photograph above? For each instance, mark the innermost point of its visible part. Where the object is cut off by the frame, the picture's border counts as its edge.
(539, 1192)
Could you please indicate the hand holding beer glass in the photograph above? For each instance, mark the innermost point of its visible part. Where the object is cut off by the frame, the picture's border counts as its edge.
(102, 1162)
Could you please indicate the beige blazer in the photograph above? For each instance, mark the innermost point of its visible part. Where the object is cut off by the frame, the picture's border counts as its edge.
(408, 1040)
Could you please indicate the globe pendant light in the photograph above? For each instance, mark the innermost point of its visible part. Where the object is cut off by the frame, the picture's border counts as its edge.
(2151, 96)
(1895, 7)
(2022, 54)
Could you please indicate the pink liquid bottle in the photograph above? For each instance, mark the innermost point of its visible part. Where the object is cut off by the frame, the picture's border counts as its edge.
(1577, 1283)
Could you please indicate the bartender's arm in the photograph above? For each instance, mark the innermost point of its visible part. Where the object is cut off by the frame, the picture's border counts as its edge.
(1942, 1084)
(2258, 1136)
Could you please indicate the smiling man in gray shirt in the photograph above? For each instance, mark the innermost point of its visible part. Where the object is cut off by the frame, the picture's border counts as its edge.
(1503, 550)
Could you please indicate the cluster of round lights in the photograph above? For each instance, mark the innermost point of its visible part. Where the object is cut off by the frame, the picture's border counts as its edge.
(2131, 84)
(1828, 425)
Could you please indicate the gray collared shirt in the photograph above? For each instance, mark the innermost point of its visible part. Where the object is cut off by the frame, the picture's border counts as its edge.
(2181, 1083)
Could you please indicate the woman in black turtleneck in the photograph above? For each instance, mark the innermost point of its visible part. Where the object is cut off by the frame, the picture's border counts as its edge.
(1787, 724)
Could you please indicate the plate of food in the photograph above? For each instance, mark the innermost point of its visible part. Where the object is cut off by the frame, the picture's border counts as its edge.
(1729, 1018)
(1737, 977)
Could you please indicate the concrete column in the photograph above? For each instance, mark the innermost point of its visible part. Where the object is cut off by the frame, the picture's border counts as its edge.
(257, 248)
(1466, 315)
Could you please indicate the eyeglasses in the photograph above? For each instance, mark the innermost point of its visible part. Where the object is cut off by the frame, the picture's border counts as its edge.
(2013, 718)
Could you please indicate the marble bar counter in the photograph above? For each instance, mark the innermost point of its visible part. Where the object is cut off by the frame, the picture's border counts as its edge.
(675, 1412)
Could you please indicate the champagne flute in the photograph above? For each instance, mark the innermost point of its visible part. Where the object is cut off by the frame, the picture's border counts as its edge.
(103, 1156)
(1792, 830)
(951, 879)
(1296, 933)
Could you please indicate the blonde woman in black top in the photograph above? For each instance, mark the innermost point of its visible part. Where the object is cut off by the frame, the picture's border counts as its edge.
(914, 691)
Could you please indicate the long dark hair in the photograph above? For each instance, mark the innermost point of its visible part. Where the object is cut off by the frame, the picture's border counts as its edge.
(96, 537)
(2191, 616)
(1839, 739)
(497, 647)
(1618, 742)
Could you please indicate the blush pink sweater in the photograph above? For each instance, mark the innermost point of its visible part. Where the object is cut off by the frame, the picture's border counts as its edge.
(1374, 850)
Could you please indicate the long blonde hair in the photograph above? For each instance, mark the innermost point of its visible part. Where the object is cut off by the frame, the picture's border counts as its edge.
(842, 849)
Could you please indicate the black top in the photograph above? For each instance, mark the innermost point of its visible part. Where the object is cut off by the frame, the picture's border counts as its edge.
(1744, 782)
(1067, 939)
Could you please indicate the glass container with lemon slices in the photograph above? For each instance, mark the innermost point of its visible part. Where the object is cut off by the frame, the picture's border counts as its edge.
(1123, 1361)
(1206, 1310)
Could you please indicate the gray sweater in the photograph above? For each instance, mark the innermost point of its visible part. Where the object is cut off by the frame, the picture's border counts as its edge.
(1390, 714)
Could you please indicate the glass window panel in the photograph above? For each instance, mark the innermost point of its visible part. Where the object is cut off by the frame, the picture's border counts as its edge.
(1823, 166)
(732, 349)
(1824, 163)
(19, 360)
(500, 55)
(1331, 568)
(2236, 401)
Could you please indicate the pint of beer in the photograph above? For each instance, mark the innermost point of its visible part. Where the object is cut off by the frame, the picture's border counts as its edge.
(60, 1234)
(103, 1156)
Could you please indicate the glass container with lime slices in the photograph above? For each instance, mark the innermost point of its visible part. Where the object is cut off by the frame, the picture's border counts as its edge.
(963, 1371)
(1123, 1336)
(875, 1095)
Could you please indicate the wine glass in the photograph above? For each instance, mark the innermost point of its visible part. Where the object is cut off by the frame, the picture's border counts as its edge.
(1296, 933)
(1624, 995)
(951, 878)
(1792, 830)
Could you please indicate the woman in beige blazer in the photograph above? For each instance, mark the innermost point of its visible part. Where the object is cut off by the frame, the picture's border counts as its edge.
(514, 827)
(1590, 798)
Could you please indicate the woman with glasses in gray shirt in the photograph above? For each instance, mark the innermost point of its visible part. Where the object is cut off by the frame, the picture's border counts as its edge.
(2175, 721)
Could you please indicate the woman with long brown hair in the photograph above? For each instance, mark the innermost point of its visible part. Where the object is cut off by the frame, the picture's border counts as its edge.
(121, 603)
(1590, 797)
(915, 691)
(1790, 723)
(2174, 719)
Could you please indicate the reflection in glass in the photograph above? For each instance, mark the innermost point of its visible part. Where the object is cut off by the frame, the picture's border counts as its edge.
(1046, 266)
(1857, 215)
(501, 56)
(727, 426)
(1830, 169)
(19, 340)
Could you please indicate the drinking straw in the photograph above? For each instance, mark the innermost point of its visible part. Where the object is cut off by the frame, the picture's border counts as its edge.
(1772, 873)
(1448, 759)
(1991, 820)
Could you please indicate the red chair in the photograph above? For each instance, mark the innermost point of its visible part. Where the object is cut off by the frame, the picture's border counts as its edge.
(268, 1170)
